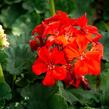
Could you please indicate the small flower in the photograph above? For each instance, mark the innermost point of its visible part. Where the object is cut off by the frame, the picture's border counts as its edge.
(52, 63)
(3, 39)
(86, 61)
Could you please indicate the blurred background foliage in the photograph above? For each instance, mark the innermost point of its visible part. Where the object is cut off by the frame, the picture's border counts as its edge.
(19, 87)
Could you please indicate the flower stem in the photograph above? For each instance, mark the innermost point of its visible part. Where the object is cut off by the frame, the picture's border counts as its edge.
(52, 7)
(98, 82)
(1, 74)
(13, 82)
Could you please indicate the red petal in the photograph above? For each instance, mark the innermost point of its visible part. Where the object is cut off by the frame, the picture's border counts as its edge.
(33, 44)
(93, 63)
(68, 79)
(59, 16)
(93, 67)
(80, 68)
(57, 56)
(59, 73)
(50, 40)
(93, 31)
(76, 82)
(70, 52)
(82, 43)
(38, 29)
(82, 21)
(93, 58)
(39, 67)
(43, 54)
(48, 80)
(61, 40)
(51, 29)
(98, 36)
(98, 48)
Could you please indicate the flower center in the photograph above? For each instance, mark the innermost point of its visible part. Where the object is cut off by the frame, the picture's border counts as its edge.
(82, 56)
(51, 66)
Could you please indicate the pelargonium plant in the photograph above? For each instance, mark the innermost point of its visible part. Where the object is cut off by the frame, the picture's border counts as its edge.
(68, 49)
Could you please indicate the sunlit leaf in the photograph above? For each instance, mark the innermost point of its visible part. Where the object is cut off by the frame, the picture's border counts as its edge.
(5, 91)
(25, 23)
(9, 15)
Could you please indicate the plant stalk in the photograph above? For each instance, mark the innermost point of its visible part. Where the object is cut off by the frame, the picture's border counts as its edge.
(1, 74)
(52, 7)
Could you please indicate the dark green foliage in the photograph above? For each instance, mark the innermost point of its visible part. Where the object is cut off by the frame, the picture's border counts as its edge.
(105, 42)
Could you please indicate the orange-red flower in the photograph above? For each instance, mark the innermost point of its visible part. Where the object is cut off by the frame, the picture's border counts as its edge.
(86, 60)
(51, 62)
(91, 32)
(68, 49)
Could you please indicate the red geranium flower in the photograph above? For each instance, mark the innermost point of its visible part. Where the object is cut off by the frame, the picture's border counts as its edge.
(76, 47)
(86, 61)
(51, 62)
(68, 49)
(90, 31)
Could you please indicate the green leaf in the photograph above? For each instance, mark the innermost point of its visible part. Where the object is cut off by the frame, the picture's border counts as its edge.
(86, 8)
(82, 7)
(72, 107)
(12, 1)
(9, 15)
(78, 97)
(102, 26)
(19, 55)
(39, 6)
(57, 102)
(15, 105)
(37, 96)
(89, 97)
(66, 94)
(104, 88)
(25, 23)
(105, 43)
(65, 5)
(2, 103)
(3, 57)
(15, 64)
(5, 91)
(106, 10)
(17, 61)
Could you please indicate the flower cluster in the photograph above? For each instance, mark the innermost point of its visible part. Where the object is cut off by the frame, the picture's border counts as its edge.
(68, 49)
(3, 39)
